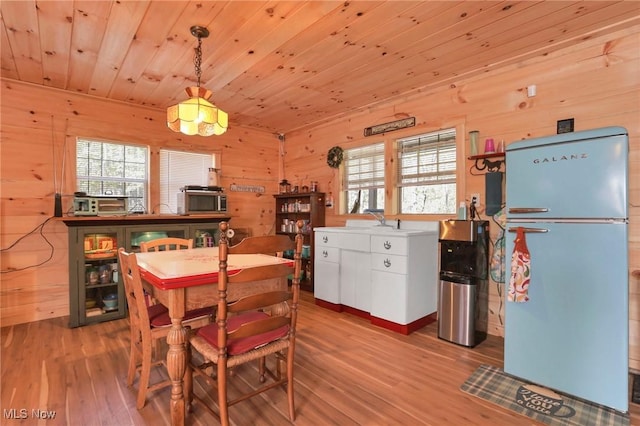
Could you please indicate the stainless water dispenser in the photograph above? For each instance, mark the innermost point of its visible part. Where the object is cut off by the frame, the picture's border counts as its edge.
(464, 261)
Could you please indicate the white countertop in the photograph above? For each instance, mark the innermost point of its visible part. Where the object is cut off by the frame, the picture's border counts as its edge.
(374, 228)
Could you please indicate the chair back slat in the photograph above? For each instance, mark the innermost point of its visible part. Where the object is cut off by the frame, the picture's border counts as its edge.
(260, 273)
(260, 326)
(169, 243)
(264, 244)
(257, 301)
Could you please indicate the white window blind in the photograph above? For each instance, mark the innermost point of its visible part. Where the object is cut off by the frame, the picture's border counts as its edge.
(177, 169)
(427, 159)
(364, 167)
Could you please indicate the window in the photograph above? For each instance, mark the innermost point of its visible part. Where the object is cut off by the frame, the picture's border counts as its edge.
(107, 168)
(364, 178)
(178, 169)
(427, 173)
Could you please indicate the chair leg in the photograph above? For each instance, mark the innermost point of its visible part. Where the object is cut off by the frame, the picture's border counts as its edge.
(222, 393)
(290, 395)
(155, 349)
(280, 359)
(145, 373)
(261, 369)
(133, 358)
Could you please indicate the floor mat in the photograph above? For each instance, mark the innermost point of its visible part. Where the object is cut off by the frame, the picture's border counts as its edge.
(543, 405)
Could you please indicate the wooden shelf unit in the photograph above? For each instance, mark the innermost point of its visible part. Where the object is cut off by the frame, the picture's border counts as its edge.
(305, 206)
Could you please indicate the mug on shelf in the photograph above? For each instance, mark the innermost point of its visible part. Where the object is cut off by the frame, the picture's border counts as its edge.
(489, 146)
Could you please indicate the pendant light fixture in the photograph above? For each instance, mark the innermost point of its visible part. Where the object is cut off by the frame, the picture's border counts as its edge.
(196, 115)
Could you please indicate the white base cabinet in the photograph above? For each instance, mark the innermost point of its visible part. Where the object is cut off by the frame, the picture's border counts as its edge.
(391, 275)
(327, 267)
(355, 279)
(404, 277)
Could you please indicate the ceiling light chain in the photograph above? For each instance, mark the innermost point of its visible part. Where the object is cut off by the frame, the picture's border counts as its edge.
(197, 59)
(196, 115)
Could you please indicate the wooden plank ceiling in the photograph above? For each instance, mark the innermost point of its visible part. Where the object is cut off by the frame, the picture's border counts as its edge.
(285, 65)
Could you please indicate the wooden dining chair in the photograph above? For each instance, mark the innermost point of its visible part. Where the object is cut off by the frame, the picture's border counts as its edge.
(164, 244)
(250, 328)
(147, 325)
(169, 243)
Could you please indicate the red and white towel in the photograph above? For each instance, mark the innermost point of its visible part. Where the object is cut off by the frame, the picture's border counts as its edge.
(520, 270)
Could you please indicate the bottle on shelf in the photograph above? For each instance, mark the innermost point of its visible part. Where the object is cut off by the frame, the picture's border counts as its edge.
(462, 211)
(473, 142)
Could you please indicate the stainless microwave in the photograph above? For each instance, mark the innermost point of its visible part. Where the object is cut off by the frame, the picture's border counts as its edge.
(201, 202)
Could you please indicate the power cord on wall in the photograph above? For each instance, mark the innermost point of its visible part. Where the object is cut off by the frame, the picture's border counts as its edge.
(499, 284)
(473, 211)
(153, 210)
(38, 229)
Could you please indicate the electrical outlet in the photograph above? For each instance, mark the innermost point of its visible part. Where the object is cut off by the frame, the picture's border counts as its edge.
(475, 197)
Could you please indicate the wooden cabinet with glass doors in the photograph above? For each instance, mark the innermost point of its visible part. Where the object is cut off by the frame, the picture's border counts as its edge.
(96, 292)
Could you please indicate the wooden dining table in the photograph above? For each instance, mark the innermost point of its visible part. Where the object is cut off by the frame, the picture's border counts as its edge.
(186, 279)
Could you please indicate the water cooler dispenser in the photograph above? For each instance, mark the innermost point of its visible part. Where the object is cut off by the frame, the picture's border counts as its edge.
(464, 260)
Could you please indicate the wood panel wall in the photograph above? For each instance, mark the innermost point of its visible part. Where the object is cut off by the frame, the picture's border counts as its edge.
(596, 82)
(38, 126)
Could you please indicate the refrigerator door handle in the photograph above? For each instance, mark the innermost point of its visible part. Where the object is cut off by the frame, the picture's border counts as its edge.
(530, 230)
(524, 210)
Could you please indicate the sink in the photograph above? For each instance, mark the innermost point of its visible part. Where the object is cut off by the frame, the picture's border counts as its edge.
(359, 229)
(373, 230)
(377, 230)
(383, 228)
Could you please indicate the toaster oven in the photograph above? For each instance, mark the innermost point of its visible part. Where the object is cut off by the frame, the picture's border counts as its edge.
(100, 206)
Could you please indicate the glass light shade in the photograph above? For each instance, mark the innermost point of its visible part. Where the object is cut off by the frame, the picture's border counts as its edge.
(196, 115)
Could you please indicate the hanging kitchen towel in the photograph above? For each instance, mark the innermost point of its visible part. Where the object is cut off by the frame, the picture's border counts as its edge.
(520, 270)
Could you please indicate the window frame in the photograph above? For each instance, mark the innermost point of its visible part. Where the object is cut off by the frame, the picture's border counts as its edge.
(371, 184)
(89, 178)
(445, 147)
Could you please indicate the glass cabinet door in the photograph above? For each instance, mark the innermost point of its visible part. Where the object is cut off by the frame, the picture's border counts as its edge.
(100, 293)
(135, 236)
(205, 235)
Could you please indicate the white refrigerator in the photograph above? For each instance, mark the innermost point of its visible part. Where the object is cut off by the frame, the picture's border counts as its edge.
(569, 194)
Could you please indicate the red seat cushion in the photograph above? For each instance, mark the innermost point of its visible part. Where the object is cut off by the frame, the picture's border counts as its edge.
(245, 344)
(161, 318)
(155, 310)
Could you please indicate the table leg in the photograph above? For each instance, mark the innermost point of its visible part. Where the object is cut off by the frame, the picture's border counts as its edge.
(177, 355)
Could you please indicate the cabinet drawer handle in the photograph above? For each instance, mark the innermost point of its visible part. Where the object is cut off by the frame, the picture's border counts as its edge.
(325, 238)
(324, 253)
(387, 263)
(387, 245)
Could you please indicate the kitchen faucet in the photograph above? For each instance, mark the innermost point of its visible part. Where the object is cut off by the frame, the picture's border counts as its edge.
(378, 214)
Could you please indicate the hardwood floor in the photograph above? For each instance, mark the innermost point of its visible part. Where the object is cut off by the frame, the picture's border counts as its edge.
(348, 372)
